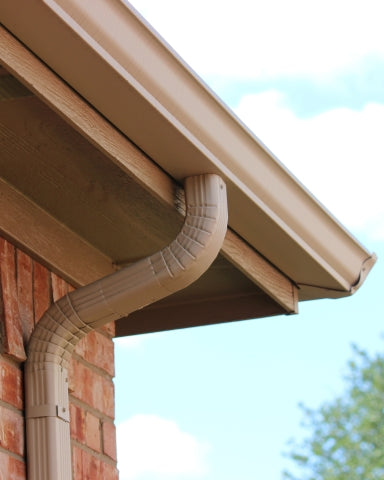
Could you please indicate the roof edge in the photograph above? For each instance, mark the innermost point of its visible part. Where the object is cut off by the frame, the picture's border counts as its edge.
(268, 207)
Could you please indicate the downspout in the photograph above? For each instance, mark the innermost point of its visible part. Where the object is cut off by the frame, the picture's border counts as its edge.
(115, 296)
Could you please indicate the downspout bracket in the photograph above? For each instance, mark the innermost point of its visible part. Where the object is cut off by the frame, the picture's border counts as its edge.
(43, 411)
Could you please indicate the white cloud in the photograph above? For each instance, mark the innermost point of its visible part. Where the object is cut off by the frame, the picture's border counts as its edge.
(132, 341)
(338, 155)
(136, 341)
(252, 39)
(149, 444)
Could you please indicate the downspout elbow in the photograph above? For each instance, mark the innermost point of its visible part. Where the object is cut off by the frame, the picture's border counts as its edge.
(81, 311)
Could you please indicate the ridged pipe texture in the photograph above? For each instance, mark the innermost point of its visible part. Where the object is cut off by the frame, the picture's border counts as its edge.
(81, 311)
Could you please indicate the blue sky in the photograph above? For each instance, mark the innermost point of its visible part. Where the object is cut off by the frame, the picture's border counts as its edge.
(220, 402)
(306, 97)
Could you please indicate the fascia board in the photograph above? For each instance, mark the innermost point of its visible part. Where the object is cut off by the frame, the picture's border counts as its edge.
(113, 58)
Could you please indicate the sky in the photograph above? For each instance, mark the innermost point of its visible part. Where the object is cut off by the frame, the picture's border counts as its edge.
(221, 402)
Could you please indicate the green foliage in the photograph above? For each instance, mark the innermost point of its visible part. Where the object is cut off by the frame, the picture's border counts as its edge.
(347, 435)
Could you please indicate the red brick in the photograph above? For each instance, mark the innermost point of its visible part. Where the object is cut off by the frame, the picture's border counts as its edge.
(11, 468)
(41, 290)
(109, 440)
(77, 463)
(108, 472)
(91, 467)
(11, 389)
(109, 329)
(59, 287)
(82, 345)
(87, 467)
(25, 293)
(11, 431)
(77, 423)
(92, 432)
(13, 342)
(91, 388)
(97, 349)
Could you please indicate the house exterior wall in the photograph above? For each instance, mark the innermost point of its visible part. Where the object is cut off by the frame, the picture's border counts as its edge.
(27, 288)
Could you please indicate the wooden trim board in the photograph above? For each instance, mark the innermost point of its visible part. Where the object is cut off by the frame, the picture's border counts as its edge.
(34, 230)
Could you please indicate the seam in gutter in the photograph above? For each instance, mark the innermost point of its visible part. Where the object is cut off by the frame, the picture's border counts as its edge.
(115, 296)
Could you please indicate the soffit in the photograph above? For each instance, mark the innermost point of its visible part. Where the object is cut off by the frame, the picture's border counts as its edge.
(66, 198)
(155, 99)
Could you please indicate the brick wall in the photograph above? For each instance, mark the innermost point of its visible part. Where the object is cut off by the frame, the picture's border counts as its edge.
(26, 290)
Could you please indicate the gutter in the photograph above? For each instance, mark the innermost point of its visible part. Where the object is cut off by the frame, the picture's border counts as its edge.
(115, 296)
(161, 105)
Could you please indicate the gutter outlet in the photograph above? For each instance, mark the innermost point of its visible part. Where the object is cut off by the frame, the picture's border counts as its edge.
(79, 312)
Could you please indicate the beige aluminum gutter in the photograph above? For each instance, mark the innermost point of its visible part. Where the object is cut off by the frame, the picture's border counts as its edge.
(115, 60)
(115, 296)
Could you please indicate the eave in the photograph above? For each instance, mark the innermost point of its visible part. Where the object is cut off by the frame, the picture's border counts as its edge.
(161, 105)
(79, 196)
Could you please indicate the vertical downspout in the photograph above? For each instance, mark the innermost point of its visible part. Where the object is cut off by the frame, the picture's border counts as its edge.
(115, 296)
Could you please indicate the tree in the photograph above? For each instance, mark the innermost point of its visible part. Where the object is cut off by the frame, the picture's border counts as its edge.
(346, 440)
